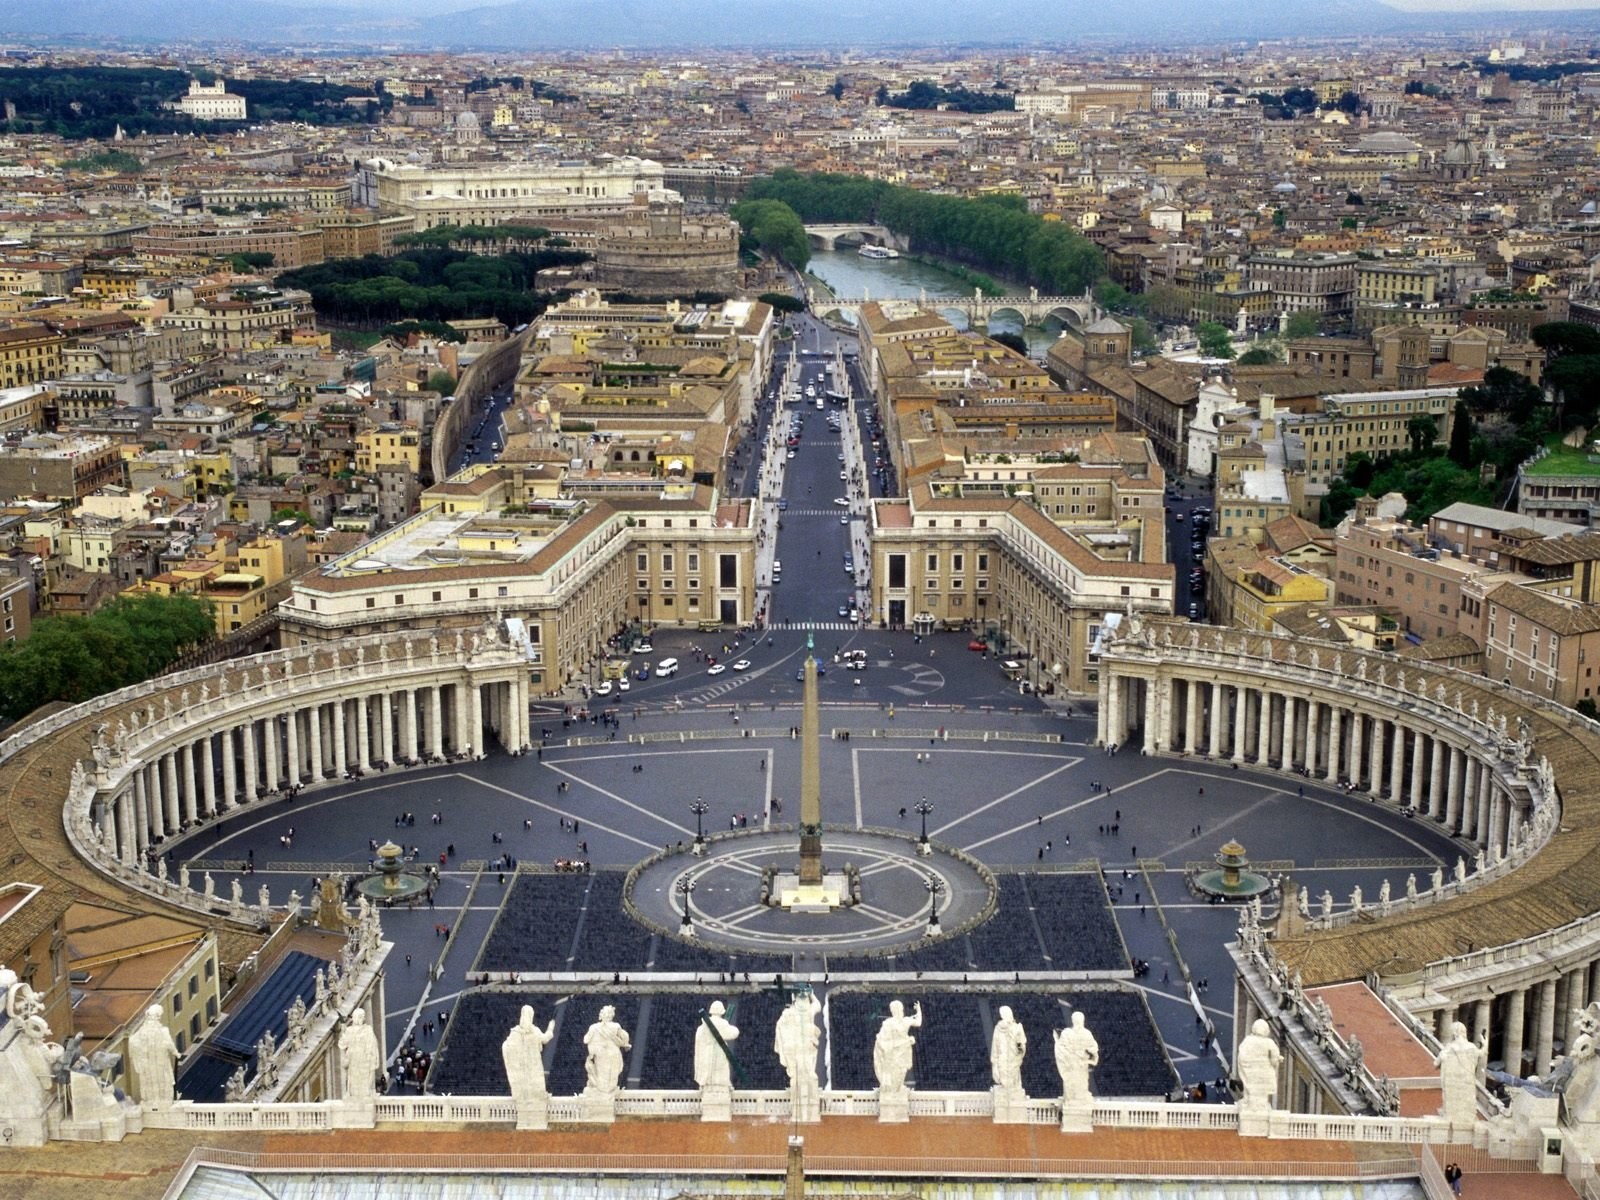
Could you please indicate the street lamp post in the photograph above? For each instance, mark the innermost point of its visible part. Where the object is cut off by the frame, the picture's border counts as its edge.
(686, 890)
(935, 885)
(699, 808)
(922, 808)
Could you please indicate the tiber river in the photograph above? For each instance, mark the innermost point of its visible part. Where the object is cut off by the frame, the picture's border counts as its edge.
(848, 274)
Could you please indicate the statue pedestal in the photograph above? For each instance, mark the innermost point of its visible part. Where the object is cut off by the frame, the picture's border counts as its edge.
(805, 1106)
(534, 1114)
(1076, 1114)
(1010, 1107)
(894, 1108)
(716, 1104)
(597, 1108)
(354, 1114)
(1255, 1122)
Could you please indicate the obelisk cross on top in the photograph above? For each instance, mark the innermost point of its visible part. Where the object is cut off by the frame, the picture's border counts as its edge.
(810, 873)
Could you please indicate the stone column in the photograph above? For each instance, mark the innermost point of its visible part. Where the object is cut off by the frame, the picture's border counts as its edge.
(1419, 756)
(1152, 716)
(1481, 1016)
(156, 806)
(435, 721)
(408, 724)
(1376, 758)
(252, 773)
(230, 768)
(1191, 717)
(1577, 1000)
(476, 740)
(1214, 744)
(208, 776)
(1335, 743)
(188, 792)
(341, 748)
(169, 792)
(1312, 734)
(1544, 1044)
(1485, 829)
(1280, 715)
(127, 828)
(519, 697)
(1358, 751)
(1103, 715)
(1516, 1002)
(1436, 777)
(1452, 789)
(1499, 821)
(314, 729)
(363, 734)
(141, 812)
(1239, 725)
(292, 740)
(386, 727)
(1397, 764)
(1263, 727)
(272, 748)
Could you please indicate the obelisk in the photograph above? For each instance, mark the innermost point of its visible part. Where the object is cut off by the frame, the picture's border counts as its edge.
(810, 873)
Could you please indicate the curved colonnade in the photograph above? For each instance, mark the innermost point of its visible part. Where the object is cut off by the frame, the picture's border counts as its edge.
(165, 761)
(1510, 945)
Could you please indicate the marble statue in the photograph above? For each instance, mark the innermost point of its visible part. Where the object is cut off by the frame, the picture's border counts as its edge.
(795, 1041)
(1077, 1054)
(211, 887)
(358, 1059)
(264, 899)
(153, 1055)
(711, 1066)
(236, 893)
(183, 876)
(1411, 886)
(1478, 861)
(1304, 904)
(1258, 1062)
(1355, 898)
(1438, 878)
(891, 1050)
(1459, 1062)
(523, 1054)
(1461, 869)
(1327, 903)
(27, 1059)
(1361, 667)
(161, 868)
(606, 1040)
(1576, 1075)
(1007, 1048)
(1383, 896)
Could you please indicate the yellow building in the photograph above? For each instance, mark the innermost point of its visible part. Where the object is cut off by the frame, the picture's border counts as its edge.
(389, 446)
(28, 354)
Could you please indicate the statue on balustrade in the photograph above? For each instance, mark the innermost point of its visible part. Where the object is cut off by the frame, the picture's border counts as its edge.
(1460, 1060)
(1007, 1049)
(605, 1040)
(1258, 1062)
(711, 1066)
(892, 1049)
(523, 1054)
(796, 1040)
(153, 1055)
(1077, 1054)
(358, 1059)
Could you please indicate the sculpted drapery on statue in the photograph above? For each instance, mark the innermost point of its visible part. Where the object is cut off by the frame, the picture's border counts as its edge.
(605, 1041)
(711, 1066)
(796, 1040)
(358, 1058)
(1007, 1048)
(1459, 1062)
(1077, 1053)
(891, 1051)
(1258, 1062)
(153, 1056)
(523, 1054)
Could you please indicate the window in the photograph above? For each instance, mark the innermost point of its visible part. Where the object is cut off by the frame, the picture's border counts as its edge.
(955, 562)
(472, 593)
(642, 562)
(694, 562)
(666, 562)
(372, 602)
(438, 596)
(177, 1002)
(194, 985)
(933, 562)
(399, 597)
(501, 591)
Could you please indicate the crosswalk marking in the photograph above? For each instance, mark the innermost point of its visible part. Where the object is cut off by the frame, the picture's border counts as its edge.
(804, 625)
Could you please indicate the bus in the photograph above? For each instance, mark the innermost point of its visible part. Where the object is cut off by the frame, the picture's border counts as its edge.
(836, 397)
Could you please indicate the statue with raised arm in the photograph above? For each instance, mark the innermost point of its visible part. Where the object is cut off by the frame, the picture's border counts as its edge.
(153, 1056)
(523, 1054)
(1258, 1061)
(711, 1065)
(1459, 1061)
(1077, 1054)
(605, 1041)
(891, 1049)
(1007, 1048)
(358, 1059)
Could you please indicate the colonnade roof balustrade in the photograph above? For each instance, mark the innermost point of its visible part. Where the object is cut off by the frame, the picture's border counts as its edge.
(49, 769)
(1558, 883)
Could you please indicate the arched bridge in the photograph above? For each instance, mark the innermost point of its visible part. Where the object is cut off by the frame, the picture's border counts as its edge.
(1032, 309)
(828, 237)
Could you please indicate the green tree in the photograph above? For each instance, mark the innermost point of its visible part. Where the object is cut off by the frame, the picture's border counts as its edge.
(250, 260)
(1214, 340)
(1013, 341)
(1301, 325)
(1259, 356)
(775, 228)
(1422, 431)
(1506, 392)
(782, 302)
(837, 90)
(442, 382)
(1280, 218)
(1461, 450)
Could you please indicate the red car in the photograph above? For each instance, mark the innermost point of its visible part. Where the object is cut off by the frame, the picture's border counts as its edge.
(975, 644)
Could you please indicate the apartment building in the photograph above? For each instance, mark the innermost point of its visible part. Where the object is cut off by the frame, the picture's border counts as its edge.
(29, 353)
(1324, 284)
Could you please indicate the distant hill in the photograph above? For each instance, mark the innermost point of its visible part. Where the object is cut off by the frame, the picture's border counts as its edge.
(768, 24)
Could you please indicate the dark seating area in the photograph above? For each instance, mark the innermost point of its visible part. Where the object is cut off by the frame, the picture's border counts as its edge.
(1008, 940)
(536, 924)
(468, 1062)
(673, 954)
(669, 1054)
(951, 1052)
(609, 939)
(1079, 931)
(1133, 1061)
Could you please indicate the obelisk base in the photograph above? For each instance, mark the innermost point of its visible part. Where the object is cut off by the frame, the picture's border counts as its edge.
(795, 895)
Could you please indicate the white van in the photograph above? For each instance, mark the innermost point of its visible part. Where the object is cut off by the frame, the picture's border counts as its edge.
(667, 666)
